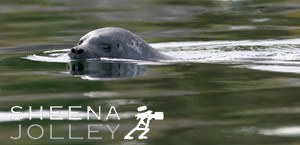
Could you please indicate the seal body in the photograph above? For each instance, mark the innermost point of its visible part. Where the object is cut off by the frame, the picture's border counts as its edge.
(114, 42)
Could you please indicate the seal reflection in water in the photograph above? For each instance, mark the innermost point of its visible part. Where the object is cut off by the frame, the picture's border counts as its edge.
(100, 69)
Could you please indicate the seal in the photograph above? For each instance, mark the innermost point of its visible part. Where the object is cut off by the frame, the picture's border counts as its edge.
(113, 42)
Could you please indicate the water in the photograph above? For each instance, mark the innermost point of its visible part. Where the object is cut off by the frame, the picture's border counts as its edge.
(235, 79)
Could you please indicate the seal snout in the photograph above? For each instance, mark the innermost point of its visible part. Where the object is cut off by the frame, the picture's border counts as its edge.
(76, 52)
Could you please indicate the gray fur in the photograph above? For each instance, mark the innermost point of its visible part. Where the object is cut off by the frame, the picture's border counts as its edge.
(123, 44)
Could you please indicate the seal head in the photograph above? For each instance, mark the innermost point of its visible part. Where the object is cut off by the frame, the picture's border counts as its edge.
(114, 42)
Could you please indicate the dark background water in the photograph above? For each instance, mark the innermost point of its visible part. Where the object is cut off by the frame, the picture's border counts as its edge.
(203, 103)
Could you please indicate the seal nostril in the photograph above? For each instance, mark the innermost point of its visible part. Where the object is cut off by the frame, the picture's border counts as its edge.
(73, 50)
(80, 51)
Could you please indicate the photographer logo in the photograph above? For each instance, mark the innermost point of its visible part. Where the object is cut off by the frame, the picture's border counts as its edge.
(144, 116)
(74, 113)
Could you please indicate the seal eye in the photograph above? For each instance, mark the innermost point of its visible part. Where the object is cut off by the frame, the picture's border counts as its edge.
(80, 42)
(106, 48)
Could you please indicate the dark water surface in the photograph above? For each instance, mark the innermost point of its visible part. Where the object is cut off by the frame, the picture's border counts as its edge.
(204, 103)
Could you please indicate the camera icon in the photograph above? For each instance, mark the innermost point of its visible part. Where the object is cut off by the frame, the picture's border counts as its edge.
(157, 116)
